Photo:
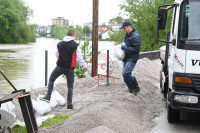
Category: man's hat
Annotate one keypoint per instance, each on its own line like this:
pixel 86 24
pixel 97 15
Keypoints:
pixel 126 23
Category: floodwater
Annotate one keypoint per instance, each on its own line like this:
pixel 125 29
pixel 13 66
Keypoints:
pixel 24 65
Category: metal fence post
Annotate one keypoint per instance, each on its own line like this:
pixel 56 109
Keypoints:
pixel 46 66
pixel 0 89
pixel 107 67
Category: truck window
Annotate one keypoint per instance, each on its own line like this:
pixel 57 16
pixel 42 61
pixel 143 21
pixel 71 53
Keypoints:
pixel 190 22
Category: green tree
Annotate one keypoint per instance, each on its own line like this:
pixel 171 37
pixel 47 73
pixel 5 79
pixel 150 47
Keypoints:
pixel 13 22
pixel 117 37
pixel 60 31
pixel 118 20
pixel 79 31
pixel 52 29
pixel 43 33
pixel 143 16
pixel 86 30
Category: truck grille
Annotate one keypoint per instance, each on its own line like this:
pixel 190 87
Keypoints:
pixel 196 81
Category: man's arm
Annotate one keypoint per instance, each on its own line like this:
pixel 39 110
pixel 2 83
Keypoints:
pixel 80 58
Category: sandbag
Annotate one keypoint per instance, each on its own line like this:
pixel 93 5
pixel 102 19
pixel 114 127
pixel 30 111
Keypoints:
pixel 9 107
pixel 119 53
pixel 41 107
pixel 53 102
pixel 60 100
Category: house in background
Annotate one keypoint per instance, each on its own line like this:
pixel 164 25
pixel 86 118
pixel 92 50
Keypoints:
pixel 49 31
pixel 104 27
pixel 106 35
pixel 43 31
pixel 105 31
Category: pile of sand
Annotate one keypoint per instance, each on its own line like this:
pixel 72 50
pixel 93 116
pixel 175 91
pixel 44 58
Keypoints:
pixel 112 108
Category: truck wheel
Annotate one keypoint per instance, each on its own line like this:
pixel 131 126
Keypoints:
pixel 173 115
pixel 161 89
pixel 165 89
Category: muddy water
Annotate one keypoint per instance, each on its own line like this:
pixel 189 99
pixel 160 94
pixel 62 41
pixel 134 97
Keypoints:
pixel 24 65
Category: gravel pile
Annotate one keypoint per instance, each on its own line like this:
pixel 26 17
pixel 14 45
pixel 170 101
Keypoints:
pixel 111 109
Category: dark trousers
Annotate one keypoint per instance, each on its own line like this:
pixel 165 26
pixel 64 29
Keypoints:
pixel 69 73
pixel 127 72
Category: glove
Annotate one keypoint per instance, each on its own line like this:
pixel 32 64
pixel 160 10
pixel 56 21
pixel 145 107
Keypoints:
pixel 123 47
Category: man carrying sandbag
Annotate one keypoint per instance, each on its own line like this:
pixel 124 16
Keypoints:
pixel 132 45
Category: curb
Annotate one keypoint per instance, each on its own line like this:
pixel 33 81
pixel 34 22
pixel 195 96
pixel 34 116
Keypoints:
pixel 150 55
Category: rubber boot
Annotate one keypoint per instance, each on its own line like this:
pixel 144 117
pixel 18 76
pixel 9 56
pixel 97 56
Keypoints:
pixel 130 89
pixel 135 86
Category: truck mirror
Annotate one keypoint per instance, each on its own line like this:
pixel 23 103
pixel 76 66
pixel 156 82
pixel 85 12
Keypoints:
pixel 162 18
pixel 174 42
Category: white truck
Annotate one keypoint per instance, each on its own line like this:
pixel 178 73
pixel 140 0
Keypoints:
pixel 180 58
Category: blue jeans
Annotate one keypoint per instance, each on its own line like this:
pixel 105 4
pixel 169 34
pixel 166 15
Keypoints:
pixel 127 72
pixel 69 73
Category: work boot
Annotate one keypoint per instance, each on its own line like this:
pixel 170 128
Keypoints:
pixel 135 86
pixel 70 106
pixel 46 98
pixel 130 89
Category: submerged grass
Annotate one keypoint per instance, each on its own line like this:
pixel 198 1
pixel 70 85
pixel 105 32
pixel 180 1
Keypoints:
pixel 47 123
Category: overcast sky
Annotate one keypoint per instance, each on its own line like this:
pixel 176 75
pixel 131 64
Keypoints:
pixel 76 11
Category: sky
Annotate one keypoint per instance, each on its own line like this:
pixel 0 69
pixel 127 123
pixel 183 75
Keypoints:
pixel 77 12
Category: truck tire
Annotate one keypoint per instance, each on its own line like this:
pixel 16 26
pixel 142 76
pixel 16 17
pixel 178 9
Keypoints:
pixel 173 115
pixel 163 89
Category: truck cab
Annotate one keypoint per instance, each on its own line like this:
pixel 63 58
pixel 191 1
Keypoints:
pixel 180 57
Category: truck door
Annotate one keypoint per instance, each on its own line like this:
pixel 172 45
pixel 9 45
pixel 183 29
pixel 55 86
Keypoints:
pixel 189 35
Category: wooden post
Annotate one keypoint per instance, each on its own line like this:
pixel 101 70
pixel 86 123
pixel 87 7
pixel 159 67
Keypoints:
pixel 95 38
pixel 97 80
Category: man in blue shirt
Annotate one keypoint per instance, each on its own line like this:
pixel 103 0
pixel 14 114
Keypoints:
pixel 132 45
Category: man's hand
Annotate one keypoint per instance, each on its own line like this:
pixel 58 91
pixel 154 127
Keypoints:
pixel 123 47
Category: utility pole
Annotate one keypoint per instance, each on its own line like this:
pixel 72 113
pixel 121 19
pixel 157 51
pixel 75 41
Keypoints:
pixel 95 38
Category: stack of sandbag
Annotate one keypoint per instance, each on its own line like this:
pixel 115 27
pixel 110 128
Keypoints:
pixel 42 107
pixel 9 107
pixel 8 116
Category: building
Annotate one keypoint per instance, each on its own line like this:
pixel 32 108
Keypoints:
pixel 44 31
pixel 48 31
pixel 104 27
pixel 60 21
pixel 106 35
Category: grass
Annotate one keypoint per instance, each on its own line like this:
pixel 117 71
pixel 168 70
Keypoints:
pixel 47 123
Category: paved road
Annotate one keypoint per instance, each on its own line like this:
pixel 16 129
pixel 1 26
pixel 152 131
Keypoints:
pixel 190 121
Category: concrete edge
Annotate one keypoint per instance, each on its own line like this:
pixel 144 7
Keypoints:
pixel 150 55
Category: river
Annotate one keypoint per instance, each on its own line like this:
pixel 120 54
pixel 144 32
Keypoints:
pixel 24 64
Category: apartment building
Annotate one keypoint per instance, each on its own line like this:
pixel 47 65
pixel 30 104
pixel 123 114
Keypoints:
pixel 60 21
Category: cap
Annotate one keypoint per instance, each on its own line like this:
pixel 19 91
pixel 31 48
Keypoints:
pixel 126 23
